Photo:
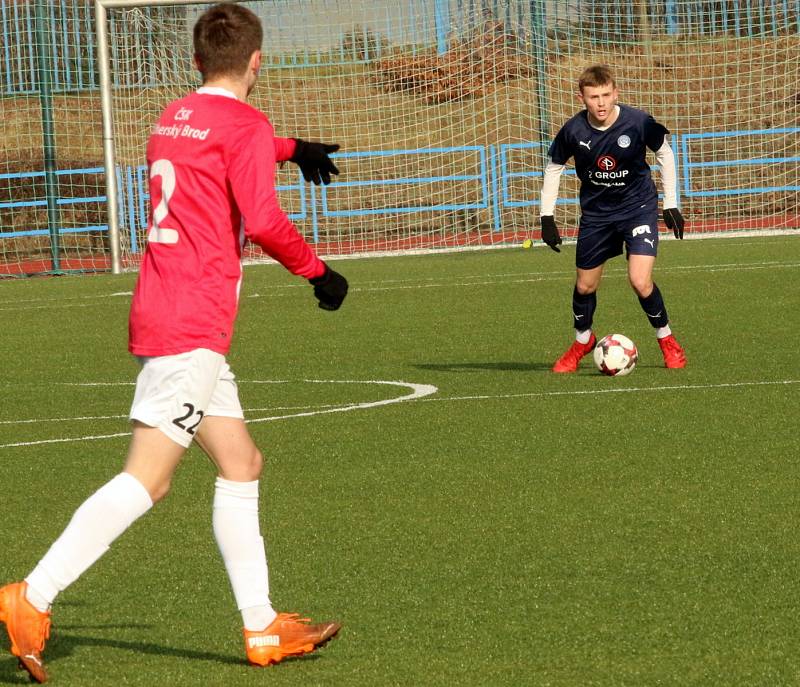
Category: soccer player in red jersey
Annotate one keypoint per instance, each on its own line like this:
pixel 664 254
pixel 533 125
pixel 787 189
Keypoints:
pixel 212 160
pixel 619 205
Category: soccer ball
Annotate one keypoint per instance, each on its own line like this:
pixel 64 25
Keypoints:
pixel 615 355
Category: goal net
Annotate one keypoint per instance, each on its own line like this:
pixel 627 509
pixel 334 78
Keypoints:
pixel 445 110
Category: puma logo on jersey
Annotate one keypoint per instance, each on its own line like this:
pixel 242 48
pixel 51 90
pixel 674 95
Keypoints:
pixel 585 144
pixel 264 640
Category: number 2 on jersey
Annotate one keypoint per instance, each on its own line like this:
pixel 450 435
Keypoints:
pixel 158 234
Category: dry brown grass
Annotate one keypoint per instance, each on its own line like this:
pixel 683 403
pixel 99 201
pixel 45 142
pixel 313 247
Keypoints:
pixel 482 93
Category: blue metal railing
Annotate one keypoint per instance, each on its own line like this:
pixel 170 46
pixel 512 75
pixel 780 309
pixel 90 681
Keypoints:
pixel 688 165
pixel 492 184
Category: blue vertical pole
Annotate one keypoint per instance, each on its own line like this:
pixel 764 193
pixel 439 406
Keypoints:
pixel 44 63
pixel 539 34
pixel 441 12
pixel 749 19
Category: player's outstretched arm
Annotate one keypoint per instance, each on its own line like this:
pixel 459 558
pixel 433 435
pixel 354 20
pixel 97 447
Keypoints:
pixel 330 288
pixel 251 174
pixel 313 159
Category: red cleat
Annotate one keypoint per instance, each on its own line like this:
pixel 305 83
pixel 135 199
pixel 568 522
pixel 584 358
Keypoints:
pixel 569 361
pixel 674 356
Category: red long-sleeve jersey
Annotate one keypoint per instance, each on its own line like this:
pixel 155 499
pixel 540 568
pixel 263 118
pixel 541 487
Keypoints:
pixel 212 161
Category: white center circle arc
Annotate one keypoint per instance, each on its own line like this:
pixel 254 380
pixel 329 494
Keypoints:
pixel 415 391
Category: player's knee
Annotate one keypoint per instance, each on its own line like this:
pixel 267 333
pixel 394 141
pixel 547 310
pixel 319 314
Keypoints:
pixel 256 463
pixel 250 465
pixel 642 285
pixel 585 288
pixel 158 491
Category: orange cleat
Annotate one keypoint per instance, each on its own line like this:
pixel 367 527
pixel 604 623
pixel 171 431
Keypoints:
pixel 569 361
pixel 28 628
pixel 288 635
pixel 674 356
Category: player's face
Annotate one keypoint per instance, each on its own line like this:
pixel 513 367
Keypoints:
pixel 599 102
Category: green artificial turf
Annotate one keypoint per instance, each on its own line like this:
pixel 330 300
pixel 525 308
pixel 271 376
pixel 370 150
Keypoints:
pixel 515 527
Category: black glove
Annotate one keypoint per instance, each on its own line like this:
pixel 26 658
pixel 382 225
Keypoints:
pixel 550 233
pixel 674 220
pixel 330 288
pixel 313 160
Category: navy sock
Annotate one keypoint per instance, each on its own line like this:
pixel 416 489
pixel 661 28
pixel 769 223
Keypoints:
pixel 583 306
pixel 654 308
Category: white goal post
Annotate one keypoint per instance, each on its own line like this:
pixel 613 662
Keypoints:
pixel 445 109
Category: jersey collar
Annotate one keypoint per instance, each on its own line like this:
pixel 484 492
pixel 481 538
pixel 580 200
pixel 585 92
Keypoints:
pixel 216 90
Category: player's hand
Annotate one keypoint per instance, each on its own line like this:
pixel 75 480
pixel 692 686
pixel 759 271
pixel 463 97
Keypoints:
pixel 550 233
pixel 330 288
pixel 674 220
pixel 313 160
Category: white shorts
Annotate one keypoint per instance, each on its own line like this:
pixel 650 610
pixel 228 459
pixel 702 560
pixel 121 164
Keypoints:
pixel 175 392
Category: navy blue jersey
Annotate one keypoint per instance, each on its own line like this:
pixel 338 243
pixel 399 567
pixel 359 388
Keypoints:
pixel 611 164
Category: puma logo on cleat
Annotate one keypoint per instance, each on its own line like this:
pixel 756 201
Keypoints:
pixel 33 658
pixel 264 640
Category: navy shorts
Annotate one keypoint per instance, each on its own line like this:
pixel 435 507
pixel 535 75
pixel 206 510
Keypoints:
pixel 601 240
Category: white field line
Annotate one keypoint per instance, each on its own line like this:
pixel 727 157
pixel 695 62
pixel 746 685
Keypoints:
pixel 420 392
pixel 625 390
pixel 417 391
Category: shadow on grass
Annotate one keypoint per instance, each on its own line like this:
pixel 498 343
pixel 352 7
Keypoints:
pixel 585 369
pixel 62 645
pixel 491 366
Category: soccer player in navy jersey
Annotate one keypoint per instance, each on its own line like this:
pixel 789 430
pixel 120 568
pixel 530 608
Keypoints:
pixel 619 206
pixel 212 160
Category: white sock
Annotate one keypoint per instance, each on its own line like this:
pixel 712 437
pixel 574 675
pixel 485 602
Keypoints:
pixel 663 332
pixel 238 534
pixel 104 516
pixel 583 336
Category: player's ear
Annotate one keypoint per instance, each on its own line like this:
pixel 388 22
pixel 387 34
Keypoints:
pixel 255 62
pixel 579 95
pixel 197 64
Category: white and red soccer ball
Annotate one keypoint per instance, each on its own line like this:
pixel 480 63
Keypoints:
pixel 615 355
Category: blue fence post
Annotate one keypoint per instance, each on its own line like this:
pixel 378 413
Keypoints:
pixel 441 12
pixel 44 61
pixel 494 195
pixel 314 220
pixel 539 36
pixel 670 18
